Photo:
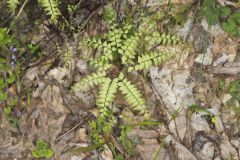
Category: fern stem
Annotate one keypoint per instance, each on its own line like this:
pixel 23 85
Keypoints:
pixel 131 93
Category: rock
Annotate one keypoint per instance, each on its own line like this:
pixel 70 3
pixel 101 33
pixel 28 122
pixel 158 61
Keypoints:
pixel 38 91
pixel 178 127
pixel 198 123
pixel 31 73
pixel 59 74
pixel 226 97
pixel 186 27
pixel 220 60
pixel 182 152
pixel 175 88
pixel 147 149
pixel 199 39
pixel 107 153
pixel 81 135
pixel 82 66
pixel 147 134
pixel 218 158
pixel 207 152
pixel 74 157
pixel 215 110
pixel 227 150
pixel 205 59
pixel 218 124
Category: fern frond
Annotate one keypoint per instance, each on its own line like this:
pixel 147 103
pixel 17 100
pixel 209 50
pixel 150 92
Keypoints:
pixel 114 36
pixel 51 8
pixel 108 51
pixel 89 81
pixel 132 95
pixel 128 49
pixel 100 64
pixel 95 42
pixel 164 39
pixel 106 95
pixel 12 5
pixel 145 61
pixel 127 28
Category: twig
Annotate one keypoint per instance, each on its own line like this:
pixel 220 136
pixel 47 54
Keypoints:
pixel 69 131
pixel 21 9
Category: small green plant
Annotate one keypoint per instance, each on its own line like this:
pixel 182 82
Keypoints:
pixel 123 49
pixel 229 20
pixel 210 11
pixel 42 150
pixel 221 85
pixel 232 23
pixel 209 115
pixel 8 70
pixel 109 14
pixel 51 8
pixel 119 47
pixel 12 5
pixel 235 89
pixel 125 141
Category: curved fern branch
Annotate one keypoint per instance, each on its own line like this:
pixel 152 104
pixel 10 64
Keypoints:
pixel 12 4
pixel 89 81
pixel 51 8
pixel 100 64
pixel 106 95
pixel 132 95
pixel 128 49
pixel 114 36
pixel 108 51
pixel 164 39
pixel 145 61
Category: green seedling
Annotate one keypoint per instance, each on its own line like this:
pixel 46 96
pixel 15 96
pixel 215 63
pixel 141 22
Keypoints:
pixel 42 150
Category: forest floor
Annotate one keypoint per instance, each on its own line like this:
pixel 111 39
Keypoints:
pixel 194 101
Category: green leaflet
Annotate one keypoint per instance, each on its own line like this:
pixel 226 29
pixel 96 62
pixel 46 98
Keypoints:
pixel 132 95
pixel 114 36
pixel 164 39
pixel 128 49
pixel 42 150
pixel 108 50
pixel 100 64
pixel 145 61
pixel 90 80
pixel 94 42
pixel 106 95
pixel 12 5
pixel 199 109
pixel 51 8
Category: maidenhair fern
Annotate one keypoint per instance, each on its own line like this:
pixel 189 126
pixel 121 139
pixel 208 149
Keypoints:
pixel 128 49
pixel 107 94
pixel 120 51
pixel 165 39
pixel 90 81
pixel 132 94
pixel 123 48
pixel 145 61
pixel 51 8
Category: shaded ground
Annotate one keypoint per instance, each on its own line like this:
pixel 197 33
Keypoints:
pixel 207 77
